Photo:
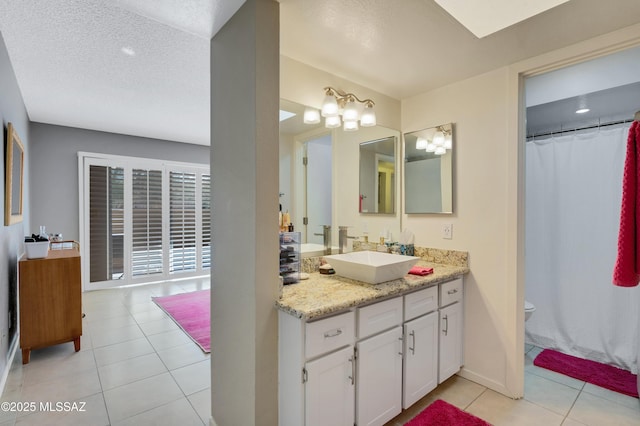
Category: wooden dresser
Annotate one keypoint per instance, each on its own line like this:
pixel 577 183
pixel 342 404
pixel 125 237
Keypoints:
pixel 50 301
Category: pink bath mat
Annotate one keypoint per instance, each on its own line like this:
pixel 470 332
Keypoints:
pixel 603 375
pixel 192 312
pixel 441 413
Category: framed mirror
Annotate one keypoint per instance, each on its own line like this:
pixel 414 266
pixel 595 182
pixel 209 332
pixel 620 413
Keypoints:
pixel 378 176
pixel 14 168
pixel 428 170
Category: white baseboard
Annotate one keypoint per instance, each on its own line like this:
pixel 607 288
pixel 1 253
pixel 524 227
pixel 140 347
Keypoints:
pixel 486 382
pixel 10 358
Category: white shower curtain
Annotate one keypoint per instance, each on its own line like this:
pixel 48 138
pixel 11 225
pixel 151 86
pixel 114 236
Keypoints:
pixel 573 192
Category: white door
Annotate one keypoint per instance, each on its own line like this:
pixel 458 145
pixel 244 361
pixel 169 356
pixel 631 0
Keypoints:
pixel 421 358
pixel 379 378
pixel 318 188
pixel 329 390
pixel 450 341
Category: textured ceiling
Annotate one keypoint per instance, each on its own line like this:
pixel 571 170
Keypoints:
pixel 68 58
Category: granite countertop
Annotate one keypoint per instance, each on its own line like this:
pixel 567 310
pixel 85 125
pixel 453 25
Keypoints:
pixel 322 295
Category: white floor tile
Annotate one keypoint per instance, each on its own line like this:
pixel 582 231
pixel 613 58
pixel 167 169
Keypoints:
pixel 193 378
pixel 130 370
pixel 595 411
pixel 179 356
pixel 502 411
pixel 71 387
pixel 169 339
pixel 121 351
pixel 616 397
pixel 158 326
pixel 93 413
pixel 179 412
pixel 201 402
pixel 117 335
pixel 551 395
pixel 137 397
pixel 41 370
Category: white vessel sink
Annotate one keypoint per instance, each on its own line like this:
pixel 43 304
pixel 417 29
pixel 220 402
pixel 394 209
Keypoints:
pixel 371 266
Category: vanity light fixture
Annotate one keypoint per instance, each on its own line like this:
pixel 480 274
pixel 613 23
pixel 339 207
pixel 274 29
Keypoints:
pixel 440 144
pixel 354 111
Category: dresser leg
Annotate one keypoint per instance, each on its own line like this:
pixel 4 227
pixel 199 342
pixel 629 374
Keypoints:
pixel 76 343
pixel 26 354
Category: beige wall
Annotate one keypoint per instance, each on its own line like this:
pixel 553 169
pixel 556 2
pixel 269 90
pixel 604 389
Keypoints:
pixel 488 219
pixel 478 107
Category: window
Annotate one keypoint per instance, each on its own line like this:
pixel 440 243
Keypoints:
pixel 144 220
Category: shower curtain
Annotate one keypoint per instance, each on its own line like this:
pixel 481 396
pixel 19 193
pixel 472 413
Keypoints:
pixel 573 194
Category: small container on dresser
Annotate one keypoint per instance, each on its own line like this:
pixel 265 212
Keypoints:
pixel 290 257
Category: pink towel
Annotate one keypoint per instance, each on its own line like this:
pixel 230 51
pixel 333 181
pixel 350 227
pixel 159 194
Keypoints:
pixel 418 270
pixel 626 272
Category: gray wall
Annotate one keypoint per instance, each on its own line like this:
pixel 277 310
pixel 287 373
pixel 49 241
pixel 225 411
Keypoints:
pixel 11 237
pixel 54 168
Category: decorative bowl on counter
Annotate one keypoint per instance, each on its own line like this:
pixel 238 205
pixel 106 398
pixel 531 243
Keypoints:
pixel 371 266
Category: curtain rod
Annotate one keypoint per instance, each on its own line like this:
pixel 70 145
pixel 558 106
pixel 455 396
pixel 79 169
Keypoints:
pixel 594 126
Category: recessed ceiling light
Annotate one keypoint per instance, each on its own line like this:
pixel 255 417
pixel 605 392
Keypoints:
pixel 582 110
pixel 128 51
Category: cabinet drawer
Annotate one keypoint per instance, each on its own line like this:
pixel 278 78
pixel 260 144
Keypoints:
pixel 450 292
pixel 420 303
pixel 328 334
pixel 378 317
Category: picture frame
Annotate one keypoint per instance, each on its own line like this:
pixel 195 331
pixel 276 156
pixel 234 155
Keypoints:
pixel 14 177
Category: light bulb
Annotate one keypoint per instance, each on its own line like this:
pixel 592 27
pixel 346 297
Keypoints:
pixel 438 138
pixel 430 147
pixel 311 116
pixel 350 111
pixel 350 125
pixel 332 122
pixel 368 118
pixel 329 106
pixel 440 150
pixel 421 143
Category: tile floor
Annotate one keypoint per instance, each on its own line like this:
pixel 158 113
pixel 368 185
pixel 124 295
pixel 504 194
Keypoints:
pixel 550 399
pixel 136 367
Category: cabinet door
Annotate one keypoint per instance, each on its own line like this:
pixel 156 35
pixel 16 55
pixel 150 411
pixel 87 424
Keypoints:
pixel 421 358
pixel 379 378
pixel 450 341
pixel 330 390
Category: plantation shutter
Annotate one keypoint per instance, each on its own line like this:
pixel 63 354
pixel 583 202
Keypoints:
pixel 146 256
pixel 206 221
pixel 182 221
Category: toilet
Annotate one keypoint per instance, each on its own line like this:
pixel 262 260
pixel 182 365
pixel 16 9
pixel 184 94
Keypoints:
pixel 529 309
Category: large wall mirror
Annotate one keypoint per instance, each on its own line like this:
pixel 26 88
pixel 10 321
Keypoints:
pixel 378 176
pixel 428 170
pixel 14 167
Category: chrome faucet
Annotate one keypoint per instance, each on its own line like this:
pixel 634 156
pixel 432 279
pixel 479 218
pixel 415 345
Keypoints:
pixel 342 239
pixel 326 238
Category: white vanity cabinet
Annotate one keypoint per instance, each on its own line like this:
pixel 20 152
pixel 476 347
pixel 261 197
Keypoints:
pixel 316 370
pixel 362 367
pixel 379 354
pixel 421 345
pixel 451 322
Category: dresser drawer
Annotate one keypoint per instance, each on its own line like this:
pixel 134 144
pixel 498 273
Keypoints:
pixel 328 334
pixel 450 292
pixel 420 302
pixel 378 317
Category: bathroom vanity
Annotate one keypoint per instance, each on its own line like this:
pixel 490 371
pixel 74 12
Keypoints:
pixel 356 353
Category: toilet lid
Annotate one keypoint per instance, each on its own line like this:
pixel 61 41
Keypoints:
pixel 528 306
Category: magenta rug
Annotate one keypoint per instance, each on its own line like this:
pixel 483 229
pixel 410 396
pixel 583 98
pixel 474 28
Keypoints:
pixel 603 375
pixel 441 413
pixel 191 311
